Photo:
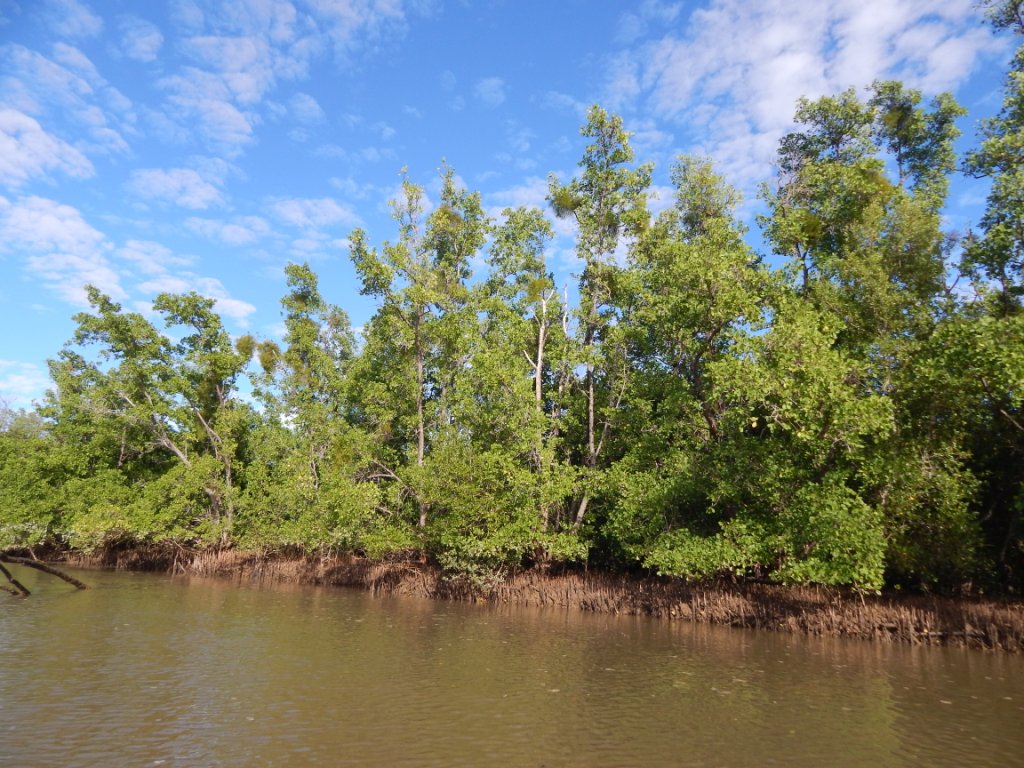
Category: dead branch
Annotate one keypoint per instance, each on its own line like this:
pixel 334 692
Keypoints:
pixel 40 567
pixel 14 581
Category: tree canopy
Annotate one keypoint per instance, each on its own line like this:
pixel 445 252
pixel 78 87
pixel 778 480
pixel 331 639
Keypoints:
pixel 847 416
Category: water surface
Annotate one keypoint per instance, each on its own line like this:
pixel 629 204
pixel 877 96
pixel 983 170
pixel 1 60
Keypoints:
pixel 147 670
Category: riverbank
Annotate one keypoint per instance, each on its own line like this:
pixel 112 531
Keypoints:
pixel 910 619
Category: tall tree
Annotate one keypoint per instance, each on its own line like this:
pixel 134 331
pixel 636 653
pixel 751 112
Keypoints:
pixel 698 291
pixel 608 203
pixel 416 341
pixel 857 211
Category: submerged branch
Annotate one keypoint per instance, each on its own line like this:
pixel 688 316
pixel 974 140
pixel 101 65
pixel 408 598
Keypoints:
pixel 39 567
pixel 14 581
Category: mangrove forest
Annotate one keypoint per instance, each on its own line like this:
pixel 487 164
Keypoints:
pixel 834 398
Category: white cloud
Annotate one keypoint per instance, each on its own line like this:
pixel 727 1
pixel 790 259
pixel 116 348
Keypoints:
pixel 647 138
pixel 182 186
pixel 236 309
pixel 314 214
pixel 75 60
pixel 157 262
pixel 332 152
pixel 739 98
pixel 188 14
pixel 59 246
pixel 244 230
pixel 660 198
pixel 210 287
pixel 244 66
pixel 305 108
pixel 150 258
pixel 307 247
pixel 65 252
pixel 140 40
pixel 29 152
pixel 205 101
pixel 635 24
pixel 21 383
pixel 490 91
pixel 383 130
pixel 241 49
pixel 70 18
pixel 519 136
pixel 532 192
pixel 66 90
pixel 364 23
pixel 624 79
pixel 376 154
pixel 565 102
pixel 353 188
pixel 166 283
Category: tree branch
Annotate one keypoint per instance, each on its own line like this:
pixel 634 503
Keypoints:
pixel 42 567
pixel 14 581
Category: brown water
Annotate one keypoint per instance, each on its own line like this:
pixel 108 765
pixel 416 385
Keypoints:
pixel 146 670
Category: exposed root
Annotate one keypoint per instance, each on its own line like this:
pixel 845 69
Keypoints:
pixel 918 620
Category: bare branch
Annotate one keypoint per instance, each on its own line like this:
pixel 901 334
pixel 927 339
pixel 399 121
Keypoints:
pixel 44 568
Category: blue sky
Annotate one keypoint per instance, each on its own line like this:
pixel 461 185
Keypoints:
pixel 151 146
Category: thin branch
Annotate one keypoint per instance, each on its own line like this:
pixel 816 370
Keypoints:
pixel 1012 420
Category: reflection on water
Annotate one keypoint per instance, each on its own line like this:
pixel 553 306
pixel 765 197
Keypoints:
pixel 149 670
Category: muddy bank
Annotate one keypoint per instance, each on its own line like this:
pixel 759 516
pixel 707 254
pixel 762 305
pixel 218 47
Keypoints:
pixel 912 619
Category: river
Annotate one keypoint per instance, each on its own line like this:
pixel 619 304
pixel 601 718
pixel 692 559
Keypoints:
pixel 149 670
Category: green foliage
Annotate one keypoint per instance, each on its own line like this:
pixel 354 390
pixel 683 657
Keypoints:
pixel 608 201
pixel 846 419
pixel 29 481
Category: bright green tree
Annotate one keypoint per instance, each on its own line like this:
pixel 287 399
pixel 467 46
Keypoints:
pixel 607 200
pixel 416 343
pixel 155 423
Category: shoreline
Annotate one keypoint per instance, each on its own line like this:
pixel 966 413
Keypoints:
pixel 909 619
